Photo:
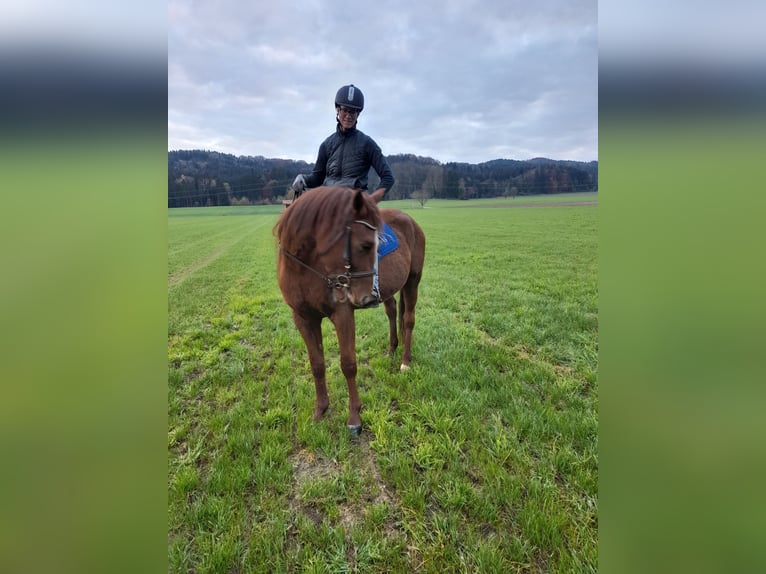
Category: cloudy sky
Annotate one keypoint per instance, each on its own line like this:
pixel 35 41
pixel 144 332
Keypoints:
pixel 455 80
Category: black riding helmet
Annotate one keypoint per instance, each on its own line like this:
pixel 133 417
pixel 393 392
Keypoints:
pixel 351 97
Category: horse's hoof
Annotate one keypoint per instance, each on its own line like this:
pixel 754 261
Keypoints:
pixel 404 368
pixel 354 430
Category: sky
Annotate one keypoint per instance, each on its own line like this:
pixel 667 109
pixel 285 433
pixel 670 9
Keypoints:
pixel 454 80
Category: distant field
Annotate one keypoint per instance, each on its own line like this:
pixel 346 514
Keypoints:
pixel 481 458
pixel 520 201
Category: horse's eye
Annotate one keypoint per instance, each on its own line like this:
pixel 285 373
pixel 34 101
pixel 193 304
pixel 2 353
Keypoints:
pixel 367 246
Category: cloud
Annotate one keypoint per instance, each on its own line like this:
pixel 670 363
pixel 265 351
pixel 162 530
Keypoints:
pixel 457 81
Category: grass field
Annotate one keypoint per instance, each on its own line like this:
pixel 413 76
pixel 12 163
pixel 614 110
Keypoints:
pixel 481 458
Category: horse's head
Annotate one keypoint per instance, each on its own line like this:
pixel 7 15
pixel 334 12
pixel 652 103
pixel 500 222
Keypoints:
pixel 350 253
pixel 332 232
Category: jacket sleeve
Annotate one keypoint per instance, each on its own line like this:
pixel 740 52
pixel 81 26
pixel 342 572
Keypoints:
pixel 317 176
pixel 381 167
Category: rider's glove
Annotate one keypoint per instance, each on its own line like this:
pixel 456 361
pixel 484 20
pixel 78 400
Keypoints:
pixel 299 184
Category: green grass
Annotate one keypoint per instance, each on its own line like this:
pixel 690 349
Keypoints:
pixel 481 458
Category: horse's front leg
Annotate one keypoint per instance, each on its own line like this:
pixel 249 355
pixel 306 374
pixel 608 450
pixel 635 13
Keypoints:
pixel 310 328
pixel 343 319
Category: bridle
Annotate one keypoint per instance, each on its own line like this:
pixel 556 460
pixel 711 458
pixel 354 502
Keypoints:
pixel 338 280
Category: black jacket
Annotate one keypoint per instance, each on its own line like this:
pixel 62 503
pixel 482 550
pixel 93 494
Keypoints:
pixel 345 158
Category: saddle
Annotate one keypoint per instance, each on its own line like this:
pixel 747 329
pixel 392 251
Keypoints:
pixel 387 241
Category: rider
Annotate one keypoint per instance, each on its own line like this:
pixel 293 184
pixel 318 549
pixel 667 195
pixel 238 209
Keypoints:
pixel 345 158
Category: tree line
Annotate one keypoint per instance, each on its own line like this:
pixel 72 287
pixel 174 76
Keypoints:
pixel 198 178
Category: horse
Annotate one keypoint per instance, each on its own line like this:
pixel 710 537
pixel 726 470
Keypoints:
pixel 327 242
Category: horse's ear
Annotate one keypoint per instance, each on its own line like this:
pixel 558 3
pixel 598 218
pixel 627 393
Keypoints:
pixel 377 195
pixel 358 200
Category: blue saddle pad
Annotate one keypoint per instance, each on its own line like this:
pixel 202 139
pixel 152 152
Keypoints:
pixel 387 241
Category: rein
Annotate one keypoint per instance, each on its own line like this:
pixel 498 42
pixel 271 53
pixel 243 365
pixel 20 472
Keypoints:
pixel 337 280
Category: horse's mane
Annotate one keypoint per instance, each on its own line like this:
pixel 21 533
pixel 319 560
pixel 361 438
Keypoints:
pixel 315 219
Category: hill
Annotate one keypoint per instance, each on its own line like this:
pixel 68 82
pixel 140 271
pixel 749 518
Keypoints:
pixel 200 178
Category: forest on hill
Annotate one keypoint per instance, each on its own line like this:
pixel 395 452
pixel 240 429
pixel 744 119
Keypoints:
pixel 199 178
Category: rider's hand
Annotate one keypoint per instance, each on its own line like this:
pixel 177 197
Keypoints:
pixel 299 184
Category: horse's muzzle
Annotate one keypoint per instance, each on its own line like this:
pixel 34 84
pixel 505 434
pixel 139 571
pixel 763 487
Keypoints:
pixel 369 301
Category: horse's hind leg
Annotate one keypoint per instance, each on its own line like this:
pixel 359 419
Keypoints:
pixel 310 329
pixel 393 340
pixel 409 298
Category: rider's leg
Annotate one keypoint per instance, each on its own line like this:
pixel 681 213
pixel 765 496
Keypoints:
pixel 375 284
pixel 374 299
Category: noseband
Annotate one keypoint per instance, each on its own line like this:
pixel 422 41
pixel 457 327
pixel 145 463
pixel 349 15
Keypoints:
pixel 338 280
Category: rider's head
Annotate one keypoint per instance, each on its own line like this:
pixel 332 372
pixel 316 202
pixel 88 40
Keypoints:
pixel 349 103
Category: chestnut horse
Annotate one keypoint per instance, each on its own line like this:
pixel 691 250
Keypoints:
pixel 327 243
